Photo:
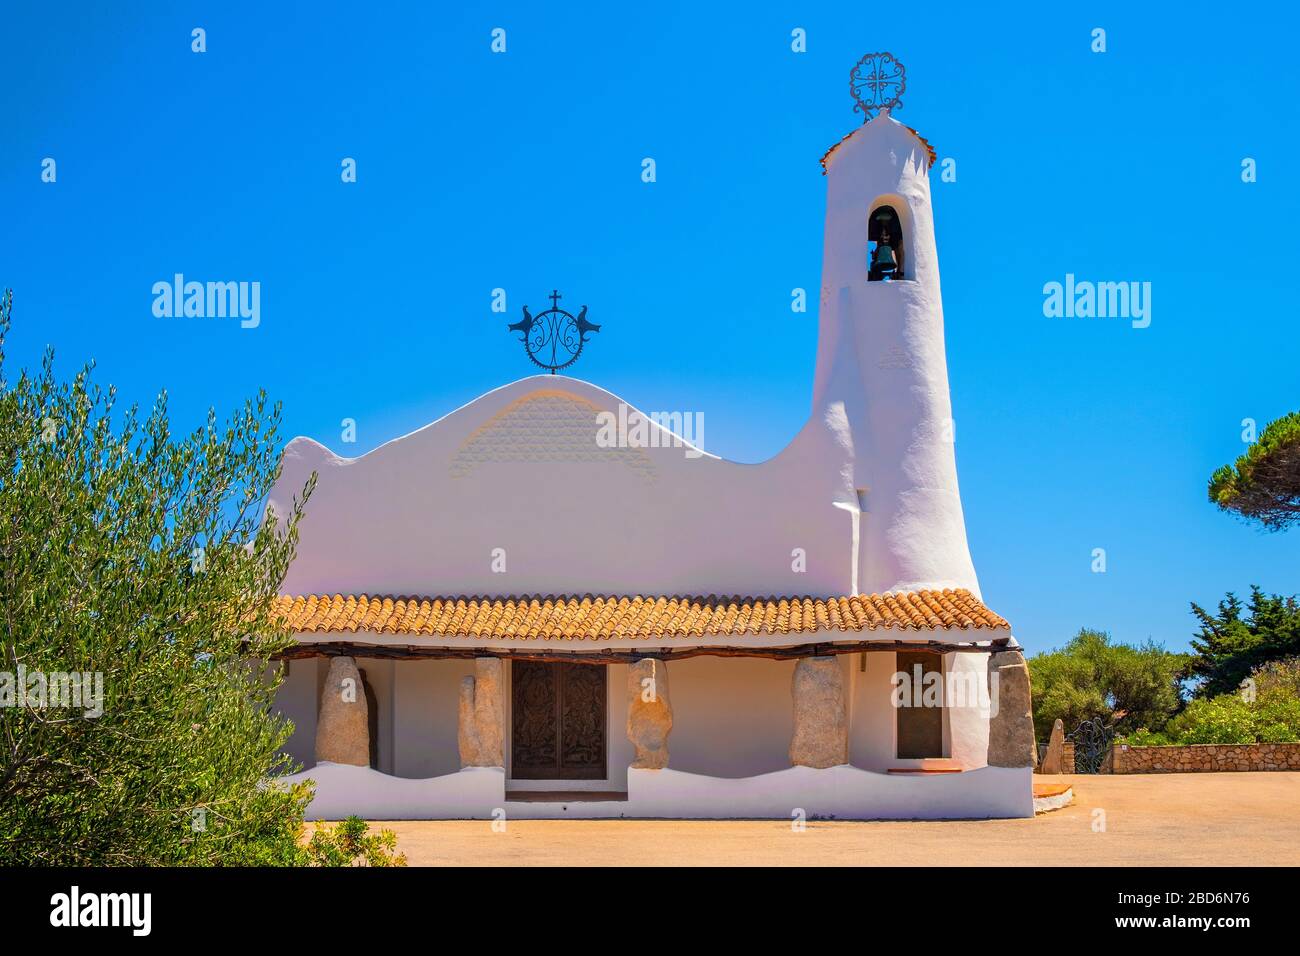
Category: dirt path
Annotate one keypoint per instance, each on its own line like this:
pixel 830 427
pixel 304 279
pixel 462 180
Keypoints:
pixel 1159 819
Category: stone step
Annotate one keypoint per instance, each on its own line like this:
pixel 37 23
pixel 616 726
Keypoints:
pixel 565 796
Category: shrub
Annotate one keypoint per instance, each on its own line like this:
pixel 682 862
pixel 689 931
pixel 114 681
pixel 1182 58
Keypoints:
pixel 1131 686
pixel 1273 717
pixel 350 844
pixel 1282 676
pixel 1142 737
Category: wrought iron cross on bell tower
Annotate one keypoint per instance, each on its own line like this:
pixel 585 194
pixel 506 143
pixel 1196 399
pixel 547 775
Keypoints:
pixel 877 84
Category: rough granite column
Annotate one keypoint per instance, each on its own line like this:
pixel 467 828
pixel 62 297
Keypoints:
pixel 343 728
pixel 482 715
pixel 821 727
pixel 649 713
pixel 1054 759
pixel 1011 728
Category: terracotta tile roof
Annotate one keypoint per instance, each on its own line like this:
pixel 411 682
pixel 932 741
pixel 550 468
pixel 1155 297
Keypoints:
pixel 603 618
pixel 924 142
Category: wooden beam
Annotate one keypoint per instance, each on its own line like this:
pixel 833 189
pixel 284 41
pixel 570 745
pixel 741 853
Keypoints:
pixel 412 652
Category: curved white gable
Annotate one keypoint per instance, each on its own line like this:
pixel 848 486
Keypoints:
pixel 520 469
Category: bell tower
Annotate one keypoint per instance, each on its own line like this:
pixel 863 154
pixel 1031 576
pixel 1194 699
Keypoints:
pixel 881 384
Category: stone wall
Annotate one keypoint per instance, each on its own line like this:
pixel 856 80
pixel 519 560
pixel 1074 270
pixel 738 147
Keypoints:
pixel 1204 758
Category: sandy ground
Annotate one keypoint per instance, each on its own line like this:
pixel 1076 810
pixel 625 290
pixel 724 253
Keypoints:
pixel 1158 819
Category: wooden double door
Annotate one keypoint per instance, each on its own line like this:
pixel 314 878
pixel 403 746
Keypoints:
pixel 557 721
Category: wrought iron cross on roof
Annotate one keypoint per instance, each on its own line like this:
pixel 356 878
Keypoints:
pixel 554 339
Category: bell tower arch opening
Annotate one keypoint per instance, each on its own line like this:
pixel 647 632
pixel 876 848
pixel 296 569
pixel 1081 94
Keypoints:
pixel 886 244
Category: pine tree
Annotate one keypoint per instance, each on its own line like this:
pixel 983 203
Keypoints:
pixel 1240 638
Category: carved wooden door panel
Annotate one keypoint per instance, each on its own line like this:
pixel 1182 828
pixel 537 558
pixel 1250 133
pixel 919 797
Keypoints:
pixel 557 721
pixel 534 752
pixel 582 721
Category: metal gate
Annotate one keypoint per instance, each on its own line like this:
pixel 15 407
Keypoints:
pixel 1092 740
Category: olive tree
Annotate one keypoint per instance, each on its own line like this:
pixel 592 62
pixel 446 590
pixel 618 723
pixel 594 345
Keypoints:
pixel 137 634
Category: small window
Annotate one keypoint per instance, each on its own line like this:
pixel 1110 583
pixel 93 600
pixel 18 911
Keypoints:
pixel 884 245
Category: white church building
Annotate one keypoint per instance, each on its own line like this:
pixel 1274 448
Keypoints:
pixel 503 614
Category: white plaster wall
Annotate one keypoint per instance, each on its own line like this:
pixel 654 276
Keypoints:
pixel 519 469
pixel 621 750
pixel 968 723
pixel 836 792
pixel 871 720
pixel 845 793
pixel 425 713
pixel 342 790
pixel 379 678
pixel 848 667
pixel 297 698
pixel 732 717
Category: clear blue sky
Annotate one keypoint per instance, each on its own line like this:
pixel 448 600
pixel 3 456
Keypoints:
pixel 522 171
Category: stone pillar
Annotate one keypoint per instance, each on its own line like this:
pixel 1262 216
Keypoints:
pixel 1054 759
pixel 649 713
pixel 343 727
pixel 1011 728
pixel 1114 760
pixel 821 726
pixel 482 715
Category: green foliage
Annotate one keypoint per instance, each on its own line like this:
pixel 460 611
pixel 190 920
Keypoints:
pixel 1091 677
pixel 1145 738
pixel 1241 638
pixel 1282 676
pixel 1265 710
pixel 138 555
pixel 350 844
pixel 1264 484
pixel 1232 719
